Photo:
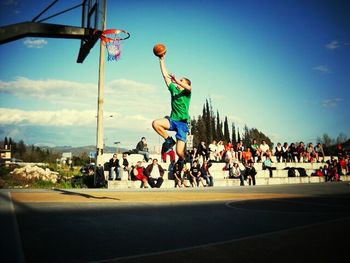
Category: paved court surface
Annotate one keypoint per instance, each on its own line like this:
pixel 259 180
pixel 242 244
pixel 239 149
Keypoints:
pixel 284 223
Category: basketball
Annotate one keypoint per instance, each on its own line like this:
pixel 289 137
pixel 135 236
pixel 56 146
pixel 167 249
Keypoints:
pixel 159 50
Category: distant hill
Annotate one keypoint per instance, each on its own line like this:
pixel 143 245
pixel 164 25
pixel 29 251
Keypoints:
pixel 76 151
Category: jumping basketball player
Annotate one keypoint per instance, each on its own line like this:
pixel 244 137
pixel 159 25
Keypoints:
pixel 180 91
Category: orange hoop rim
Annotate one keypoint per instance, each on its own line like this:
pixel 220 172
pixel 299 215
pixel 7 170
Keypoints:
pixel 116 32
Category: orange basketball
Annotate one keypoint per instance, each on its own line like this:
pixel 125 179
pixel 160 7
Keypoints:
pixel 159 50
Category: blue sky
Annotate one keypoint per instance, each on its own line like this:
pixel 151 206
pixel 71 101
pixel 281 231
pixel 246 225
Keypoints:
pixel 280 66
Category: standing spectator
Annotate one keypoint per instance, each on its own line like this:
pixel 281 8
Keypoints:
pixel 138 172
pixel 220 151
pixel 114 168
pixel 279 152
pixel 178 175
pixel 213 151
pixel 205 173
pixel 250 173
pixel 202 151
pixel 155 174
pixel 142 148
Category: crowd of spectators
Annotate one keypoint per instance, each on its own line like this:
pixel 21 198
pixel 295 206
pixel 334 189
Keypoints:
pixel 199 160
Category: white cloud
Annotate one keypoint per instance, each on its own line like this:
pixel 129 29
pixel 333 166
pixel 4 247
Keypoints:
pixel 331 103
pixel 322 68
pixel 35 43
pixel 333 45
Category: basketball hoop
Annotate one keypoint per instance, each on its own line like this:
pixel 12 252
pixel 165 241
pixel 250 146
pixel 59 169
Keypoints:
pixel 111 40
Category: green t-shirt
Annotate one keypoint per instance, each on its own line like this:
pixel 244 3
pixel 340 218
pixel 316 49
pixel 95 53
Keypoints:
pixel 180 103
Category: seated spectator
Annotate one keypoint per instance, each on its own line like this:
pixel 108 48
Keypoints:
pixel 320 152
pixel 155 174
pixel 220 151
pixel 177 172
pixel 247 156
pixel 240 150
pixel 230 156
pixel 236 173
pixel 138 172
pixel 286 156
pixel 165 152
pixel 125 164
pixel 301 152
pixel 205 173
pixel 311 154
pixel 250 173
pixel 267 164
pixel 264 149
pixel 142 148
pixel 255 150
pixel 187 177
pixel 114 168
pixel 195 172
pixel 293 152
pixel 279 152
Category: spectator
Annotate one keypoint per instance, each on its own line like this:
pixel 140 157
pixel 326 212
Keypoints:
pixel 202 151
pixel 125 165
pixel 247 156
pixel 213 151
pixel 236 173
pixel 240 150
pixel 195 173
pixel 250 173
pixel 205 173
pixel 255 150
pixel 187 177
pixel 279 152
pixel 293 152
pixel 165 151
pixel 155 173
pixel 177 175
pixel 267 164
pixel 114 168
pixel 220 151
pixel 301 152
pixel 339 152
pixel 286 153
pixel 320 152
pixel 138 172
pixel 142 148
pixel 311 154
pixel 264 149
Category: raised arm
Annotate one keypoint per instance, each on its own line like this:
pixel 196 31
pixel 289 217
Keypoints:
pixel 164 71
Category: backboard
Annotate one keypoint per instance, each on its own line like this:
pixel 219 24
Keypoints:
pixel 89 32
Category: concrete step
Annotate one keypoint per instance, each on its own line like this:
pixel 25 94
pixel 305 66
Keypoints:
pixel 220 182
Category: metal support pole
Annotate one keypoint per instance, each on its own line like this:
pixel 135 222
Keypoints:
pixel 100 99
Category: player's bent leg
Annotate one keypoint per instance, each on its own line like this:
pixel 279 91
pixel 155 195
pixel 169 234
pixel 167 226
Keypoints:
pixel 180 149
pixel 161 126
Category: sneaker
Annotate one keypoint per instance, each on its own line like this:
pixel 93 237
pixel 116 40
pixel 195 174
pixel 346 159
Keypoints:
pixel 169 144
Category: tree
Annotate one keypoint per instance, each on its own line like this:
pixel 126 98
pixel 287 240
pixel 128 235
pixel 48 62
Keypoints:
pixel 233 140
pixel 226 131
pixel 6 143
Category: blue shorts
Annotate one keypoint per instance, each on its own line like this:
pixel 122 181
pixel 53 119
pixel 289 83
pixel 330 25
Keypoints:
pixel 181 128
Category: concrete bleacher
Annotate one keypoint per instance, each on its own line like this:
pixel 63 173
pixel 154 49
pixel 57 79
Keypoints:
pixel 280 175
